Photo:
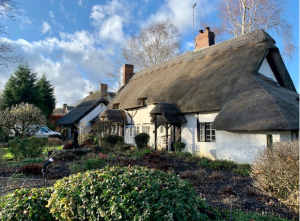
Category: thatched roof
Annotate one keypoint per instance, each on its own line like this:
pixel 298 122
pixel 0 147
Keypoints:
pixel 222 75
pixel 98 95
pixel 80 111
pixel 168 112
pixel 62 111
pixel 114 115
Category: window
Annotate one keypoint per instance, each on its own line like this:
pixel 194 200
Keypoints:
pixel 116 106
pixel 206 133
pixel 43 130
pixel 161 129
pixel 269 140
pixel 146 129
pixel 137 130
pixel 142 101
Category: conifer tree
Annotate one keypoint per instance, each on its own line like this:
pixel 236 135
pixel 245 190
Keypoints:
pixel 46 96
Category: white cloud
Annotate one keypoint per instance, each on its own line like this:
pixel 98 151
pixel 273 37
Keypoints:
pixel 70 16
pixel 73 63
pixel 181 13
pixel 110 20
pixel 51 14
pixel 80 2
pixel 46 28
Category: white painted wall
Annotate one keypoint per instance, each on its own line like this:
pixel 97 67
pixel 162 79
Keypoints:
pixel 237 146
pixel 266 70
pixel 241 147
pixel 189 136
pixel 85 122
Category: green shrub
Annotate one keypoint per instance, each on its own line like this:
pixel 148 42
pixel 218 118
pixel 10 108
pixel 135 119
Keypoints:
pixel 76 168
pixel 135 193
pixel 142 140
pixel 222 164
pixel 204 162
pixel 179 146
pixel 275 171
pixel 30 147
pixel 110 141
pixel 242 169
pixel 93 164
pixel 25 204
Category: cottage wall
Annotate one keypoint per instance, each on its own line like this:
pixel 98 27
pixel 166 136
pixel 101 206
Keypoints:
pixel 241 147
pixel 85 122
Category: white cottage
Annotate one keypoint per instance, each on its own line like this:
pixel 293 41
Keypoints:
pixel 85 114
pixel 224 101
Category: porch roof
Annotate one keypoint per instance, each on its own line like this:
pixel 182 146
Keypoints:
pixel 114 115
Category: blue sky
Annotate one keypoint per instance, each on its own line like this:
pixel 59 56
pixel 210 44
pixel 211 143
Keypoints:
pixel 74 42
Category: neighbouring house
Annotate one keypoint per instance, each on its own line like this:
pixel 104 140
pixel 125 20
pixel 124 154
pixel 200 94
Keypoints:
pixel 57 114
pixel 86 113
pixel 224 101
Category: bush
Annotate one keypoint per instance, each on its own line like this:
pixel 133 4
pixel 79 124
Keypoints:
pixel 179 146
pixel 135 193
pixel 204 162
pixel 25 204
pixel 31 169
pixel 142 140
pixel 30 147
pixel 222 164
pixel 68 146
pixel 110 141
pixel 93 164
pixel 276 172
pixel 54 142
pixel 242 169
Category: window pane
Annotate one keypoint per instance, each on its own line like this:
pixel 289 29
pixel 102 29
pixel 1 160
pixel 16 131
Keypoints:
pixel 202 132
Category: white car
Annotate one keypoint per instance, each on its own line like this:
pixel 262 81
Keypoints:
pixel 46 132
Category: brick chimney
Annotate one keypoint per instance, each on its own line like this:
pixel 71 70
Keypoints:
pixel 127 72
pixel 103 87
pixel 65 107
pixel 204 39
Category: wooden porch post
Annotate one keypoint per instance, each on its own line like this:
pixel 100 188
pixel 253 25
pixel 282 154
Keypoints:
pixel 155 134
pixel 167 136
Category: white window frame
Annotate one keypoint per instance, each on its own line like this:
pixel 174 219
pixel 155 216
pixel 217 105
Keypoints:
pixel 146 128
pixel 206 133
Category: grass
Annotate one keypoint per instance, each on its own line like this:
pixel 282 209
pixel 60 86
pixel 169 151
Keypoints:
pixel 6 154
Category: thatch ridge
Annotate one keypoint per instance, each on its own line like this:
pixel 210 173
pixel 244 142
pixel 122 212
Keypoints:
pixel 219 77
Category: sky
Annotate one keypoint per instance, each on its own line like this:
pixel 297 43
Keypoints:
pixel 74 42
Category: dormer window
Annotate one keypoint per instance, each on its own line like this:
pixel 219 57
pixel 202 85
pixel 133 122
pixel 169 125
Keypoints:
pixel 142 101
pixel 116 106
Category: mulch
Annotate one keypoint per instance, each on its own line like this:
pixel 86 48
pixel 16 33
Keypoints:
pixel 220 189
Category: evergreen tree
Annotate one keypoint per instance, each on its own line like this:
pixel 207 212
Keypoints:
pixel 46 96
pixel 21 87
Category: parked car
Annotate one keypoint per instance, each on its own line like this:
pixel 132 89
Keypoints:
pixel 46 132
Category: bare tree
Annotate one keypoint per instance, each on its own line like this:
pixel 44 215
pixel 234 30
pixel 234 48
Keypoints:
pixel 8 8
pixel 114 75
pixel 153 45
pixel 243 16
pixel 22 120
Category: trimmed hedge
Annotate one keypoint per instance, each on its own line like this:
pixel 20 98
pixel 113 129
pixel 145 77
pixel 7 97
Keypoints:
pixel 142 140
pixel 135 193
pixel 179 146
pixel 26 204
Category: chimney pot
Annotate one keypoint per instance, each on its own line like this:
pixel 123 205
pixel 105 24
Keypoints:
pixel 91 92
pixel 204 39
pixel 103 87
pixel 65 107
pixel 127 72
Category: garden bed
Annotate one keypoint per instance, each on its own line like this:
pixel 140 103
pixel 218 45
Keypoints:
pixel 220 187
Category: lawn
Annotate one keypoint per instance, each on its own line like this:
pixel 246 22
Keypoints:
pixel 5 153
